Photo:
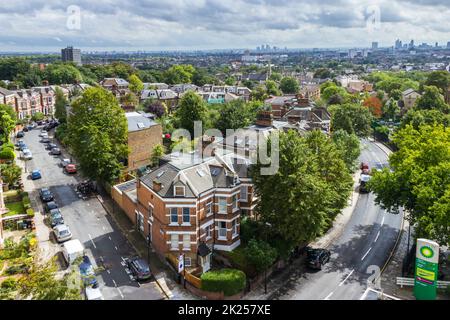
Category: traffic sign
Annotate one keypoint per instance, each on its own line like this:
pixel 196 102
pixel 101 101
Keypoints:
pixel 180 263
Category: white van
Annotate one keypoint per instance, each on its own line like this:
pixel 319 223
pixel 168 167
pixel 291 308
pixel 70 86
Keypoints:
pixel 72 250
pixel 93 294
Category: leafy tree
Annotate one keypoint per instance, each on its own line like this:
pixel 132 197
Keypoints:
pixel 259 93
pixel 60 106
pixel 97 133
pixel 349 147
pixel 312 186
pixel 10 173
pixel 248 83
pixel 418 118
pixel 333 90
pixel 7 153
pixel 129 100
pixel 375 106
pixel 275 76
pixel 201 77
pixel 135 84
pixel 431 99
pixel 62 73
pixel 191 108
pixel 179 74
pixel 156 107
pixel 419 181
pixel 37 116
pixel 8 120
pixel 272 88
pixel 30 79
pixel 439 79
pixel 157 153
pixel 236 114
pixel 230 81
pixel 323 73
pixel 289 85
pixel 10 68
pixel 391 110
pixel 260 254
pixel 396 94
pixel 353 118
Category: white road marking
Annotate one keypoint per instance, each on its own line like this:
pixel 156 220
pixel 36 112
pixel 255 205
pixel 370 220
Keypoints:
pixel 378 234
pixel 115 284
pixel 340 284
pixel 109 238
pixel 138 284
pixel 382 220
pixel 108 271
pixel 115 247
pixel 120 292
pixel 101 258
pixel 92 241
pixel 328 296
pixel 366 254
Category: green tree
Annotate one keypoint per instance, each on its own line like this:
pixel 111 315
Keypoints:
pixel 260 254
pixel 272 88
pixel 348 146
pixel 7 121
pixel 259 93
pixel 191 108
pixel 352 118
pixel 179 74
pixel 230 81
pixel 98 131
pixel 37 116
pixel 331 91
pixel 439 79
pixel 289 85
pixel 60 106
pixel 136 85
pixel 312 186
pixel 10 68
pixel 420 181
pixel 431 99
pixel 236 114
pixel 62 73
pixel 396 94
pixel 10 173
pixel 418 118
pixel 275 76
pixel 157 153
pixel 391 110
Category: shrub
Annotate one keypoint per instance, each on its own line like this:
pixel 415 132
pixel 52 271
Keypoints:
pixel 26 202
pixel 228 281
pixel 7 154
pixel 8 145
pixel 30 212
pixel 9 283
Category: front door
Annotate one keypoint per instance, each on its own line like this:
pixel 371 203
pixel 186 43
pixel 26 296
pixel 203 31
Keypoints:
pixel 206 263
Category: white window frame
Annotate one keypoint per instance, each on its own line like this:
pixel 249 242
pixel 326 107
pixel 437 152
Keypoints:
pixel 188 215
pixel 221 229
pixel 187 262
pixel 209 208
pixel 234 227
pixel 171 210
pixel 219 207
pixel 208 232
pixel 185 239
pixel 175 191
pixel 174 244
pixel 235 202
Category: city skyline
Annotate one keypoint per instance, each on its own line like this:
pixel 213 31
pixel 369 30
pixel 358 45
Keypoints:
pixel 209 24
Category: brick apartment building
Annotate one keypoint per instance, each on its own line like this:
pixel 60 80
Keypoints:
pixel 143 135
pixel 190 205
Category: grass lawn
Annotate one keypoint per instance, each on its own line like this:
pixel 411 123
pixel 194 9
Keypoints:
pixel 14 208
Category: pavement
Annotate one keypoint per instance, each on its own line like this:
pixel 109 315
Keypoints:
pixel 88 221
pixel 361 242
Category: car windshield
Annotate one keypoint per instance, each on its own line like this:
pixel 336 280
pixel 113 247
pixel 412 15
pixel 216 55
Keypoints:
pixel 64 232
pixel 141 265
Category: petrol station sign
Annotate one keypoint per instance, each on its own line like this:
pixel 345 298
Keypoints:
pixel 426 271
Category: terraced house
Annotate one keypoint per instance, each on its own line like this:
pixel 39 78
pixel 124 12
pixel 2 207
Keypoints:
pixel 190 205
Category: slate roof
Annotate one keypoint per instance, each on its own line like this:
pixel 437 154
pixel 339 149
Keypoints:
pixel 5 92
pixel 137 121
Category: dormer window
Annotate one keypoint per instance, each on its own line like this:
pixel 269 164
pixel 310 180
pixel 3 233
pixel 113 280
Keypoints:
pixel 180 191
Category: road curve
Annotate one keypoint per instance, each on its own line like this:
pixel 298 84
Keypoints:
pixel 357 254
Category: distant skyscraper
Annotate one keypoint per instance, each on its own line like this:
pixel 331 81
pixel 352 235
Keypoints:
pixel 70 54
pixel 436 45
pixel 398 44
pixel 448 45
pixel 374 45
pixel 411 44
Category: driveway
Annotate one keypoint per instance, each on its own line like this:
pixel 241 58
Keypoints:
pixel 89 223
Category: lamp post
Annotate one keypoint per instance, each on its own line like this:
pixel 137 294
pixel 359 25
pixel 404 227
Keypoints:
pixel 265 269
pixel 148 248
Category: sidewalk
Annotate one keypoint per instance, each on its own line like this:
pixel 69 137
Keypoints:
pixel 162 272
pixel 277 280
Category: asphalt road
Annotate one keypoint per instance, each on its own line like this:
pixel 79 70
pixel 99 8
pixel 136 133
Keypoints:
pixel 90 223
pixel 359 252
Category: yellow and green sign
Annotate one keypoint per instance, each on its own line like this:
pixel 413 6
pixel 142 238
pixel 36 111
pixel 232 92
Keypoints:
pixel 426 272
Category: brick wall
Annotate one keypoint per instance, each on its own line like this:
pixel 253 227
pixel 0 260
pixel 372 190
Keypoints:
pixel 141 144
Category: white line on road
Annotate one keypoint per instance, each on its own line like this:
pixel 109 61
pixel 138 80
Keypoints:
pixel 115 284
pixel 340 284
pixel 92 241
pixel 115 247
pixel 366 254
pixel 382 220
pixel 120 292
pixel 328 296
pixel 109 238
pixel 378 234
pixel 108 271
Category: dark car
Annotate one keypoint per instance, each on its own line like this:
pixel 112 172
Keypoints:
pixel 20 134
pixel 45 140
pixel 316 258
pixel 55 218
pixel 139 268
pixel 46 195
pixel 55 151
pixel 50 206
pixel 50 146
pixel 25 129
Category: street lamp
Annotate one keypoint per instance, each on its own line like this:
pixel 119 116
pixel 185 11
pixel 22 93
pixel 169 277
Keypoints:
pixel 148 248
pixel 265 269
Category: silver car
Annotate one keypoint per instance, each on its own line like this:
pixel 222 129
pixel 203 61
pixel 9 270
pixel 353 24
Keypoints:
pixel 62 233
pixel 27 155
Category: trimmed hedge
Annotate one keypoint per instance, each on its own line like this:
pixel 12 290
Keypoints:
pixel 228 281
pixel 7 154
pixel 26 202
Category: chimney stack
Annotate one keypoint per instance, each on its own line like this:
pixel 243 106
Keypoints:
pixel 157 185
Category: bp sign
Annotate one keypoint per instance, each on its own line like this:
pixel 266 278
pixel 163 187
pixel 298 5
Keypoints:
pixel 426 271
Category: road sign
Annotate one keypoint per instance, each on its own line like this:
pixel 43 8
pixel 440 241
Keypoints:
pixel 180 263
pixel 426 271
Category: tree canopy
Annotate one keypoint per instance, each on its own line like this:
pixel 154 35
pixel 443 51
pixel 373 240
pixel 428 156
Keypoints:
pixel 289 85
pixel 7 121
pixel 352 118
pixel 191 108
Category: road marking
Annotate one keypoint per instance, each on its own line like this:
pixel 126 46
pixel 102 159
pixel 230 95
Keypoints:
pixel 138 284
pixel 115 247
pixel 340 284
pixel 104 228
pixel 101 258
pixel 109 238
pixel 328 296
pixel 366 254
pixel 382 220
pixel 109 272
pixel 92 241
pixel 115 284
pixel 120 292
pixel 378 234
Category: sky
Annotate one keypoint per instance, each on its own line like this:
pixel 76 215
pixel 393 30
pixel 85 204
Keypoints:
pixel 153 25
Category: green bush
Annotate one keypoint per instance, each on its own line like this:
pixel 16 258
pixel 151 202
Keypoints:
pixel 228 281
pixel 30 212
pixel 9 283
pixel 8 145
pixel 26 202
pixel 7 154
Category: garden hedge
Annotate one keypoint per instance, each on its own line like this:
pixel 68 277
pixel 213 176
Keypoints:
pixel 30 212
pixel 228 281
pixel 7 154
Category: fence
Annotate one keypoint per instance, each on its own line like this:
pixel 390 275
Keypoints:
pixel 409 282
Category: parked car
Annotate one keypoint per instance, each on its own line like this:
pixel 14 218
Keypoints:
pixel 55 151
pixel 71 168
pixel 364 166
pixel 19 143
pixel 46 195
pixel 50 206
pixel 50 146
pixel 23 147
pixel 87 273
pixel 62 233
pixel 27 155
pixel 43 133
pixel 139 268
pixel 316 258
pixel 45 140
pixel 56 219
pixel 65 162
pixel 363 183
pixel 36 174
pixel 20 134
pixel 25 129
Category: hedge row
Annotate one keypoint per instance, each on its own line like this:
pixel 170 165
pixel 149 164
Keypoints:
pixel 228 281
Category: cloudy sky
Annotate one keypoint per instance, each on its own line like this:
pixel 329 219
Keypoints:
pixel 46 25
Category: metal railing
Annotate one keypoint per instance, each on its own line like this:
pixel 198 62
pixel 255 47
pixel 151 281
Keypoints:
pixel 409 282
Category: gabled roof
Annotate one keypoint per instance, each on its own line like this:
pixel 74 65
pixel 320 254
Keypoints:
pixel 137 121
pixel 6 92
pixel 408 92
